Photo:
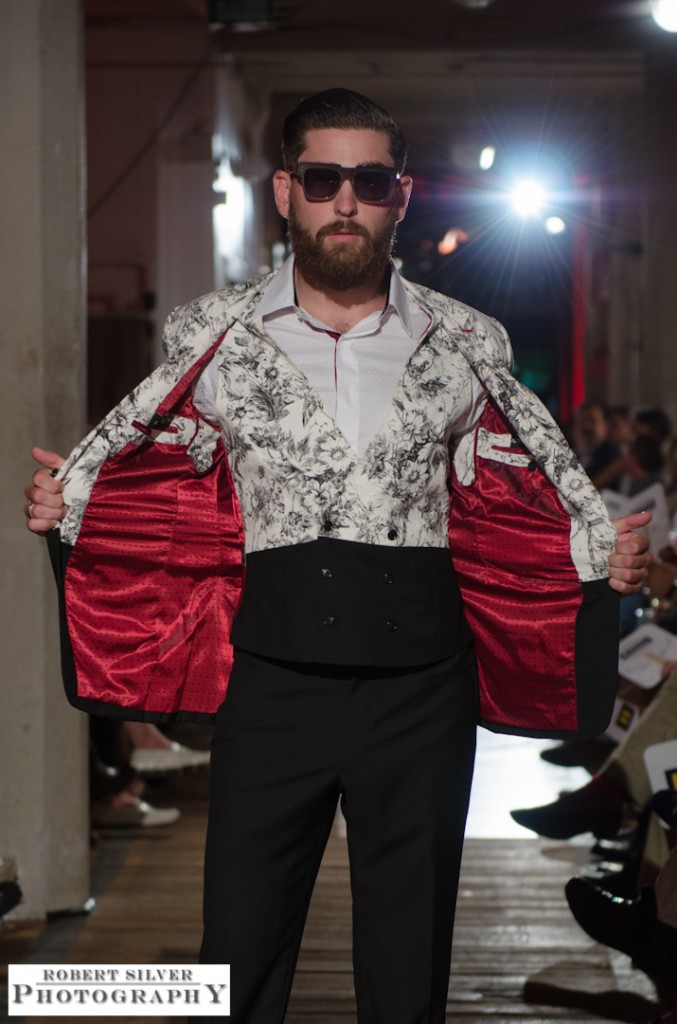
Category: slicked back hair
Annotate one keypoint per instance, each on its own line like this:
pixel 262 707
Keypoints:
pixel 339 108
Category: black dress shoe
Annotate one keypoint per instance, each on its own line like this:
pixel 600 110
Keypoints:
pixel 596 808
pixel 620 879
pixel 590 754
pixel 628 925
pixel 625 845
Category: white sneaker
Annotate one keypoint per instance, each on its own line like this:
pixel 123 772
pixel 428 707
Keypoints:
pixel 138 814
pixel 157 760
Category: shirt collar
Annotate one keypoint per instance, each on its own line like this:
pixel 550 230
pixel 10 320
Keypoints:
pixel 278 296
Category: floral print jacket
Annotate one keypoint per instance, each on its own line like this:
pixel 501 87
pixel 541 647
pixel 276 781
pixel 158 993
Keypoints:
pixel 151 549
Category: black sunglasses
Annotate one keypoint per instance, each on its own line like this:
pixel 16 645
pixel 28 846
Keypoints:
pixel 321 182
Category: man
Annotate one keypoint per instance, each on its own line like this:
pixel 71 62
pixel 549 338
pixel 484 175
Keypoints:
pixel 336 388
pixel 600 457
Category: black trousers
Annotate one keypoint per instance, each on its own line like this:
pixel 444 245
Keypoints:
pixel 397 747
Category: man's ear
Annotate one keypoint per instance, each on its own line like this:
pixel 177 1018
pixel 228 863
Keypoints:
pixel 404 188
pixel 282 183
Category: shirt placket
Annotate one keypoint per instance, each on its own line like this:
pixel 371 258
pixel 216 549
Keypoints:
pixel 347 378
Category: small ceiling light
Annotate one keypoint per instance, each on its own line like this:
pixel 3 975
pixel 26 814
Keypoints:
pixel 487 157
pixel 473 3
pixel 451 241
pixel 664 13
pixel 555 225
pixel 527 197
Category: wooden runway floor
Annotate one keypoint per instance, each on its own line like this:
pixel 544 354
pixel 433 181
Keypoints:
pixel 519 955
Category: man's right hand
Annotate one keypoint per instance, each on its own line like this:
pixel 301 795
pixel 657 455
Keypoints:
pixel 45 505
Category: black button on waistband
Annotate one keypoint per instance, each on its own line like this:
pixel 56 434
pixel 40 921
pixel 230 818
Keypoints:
pixel 392 625
pixel 327 573
pixel 387 577
pixel 392 534
pixel 329 621
pixel 327 526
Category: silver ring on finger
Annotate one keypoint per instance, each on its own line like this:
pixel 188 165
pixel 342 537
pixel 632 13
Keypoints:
pixel 30 509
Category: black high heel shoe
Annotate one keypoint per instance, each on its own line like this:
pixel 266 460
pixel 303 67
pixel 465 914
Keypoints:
pixel 596 807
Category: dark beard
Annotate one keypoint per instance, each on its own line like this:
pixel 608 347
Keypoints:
pixel 343 266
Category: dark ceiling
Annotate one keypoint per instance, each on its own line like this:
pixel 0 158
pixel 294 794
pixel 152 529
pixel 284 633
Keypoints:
pixel 384 25
pixel 574 80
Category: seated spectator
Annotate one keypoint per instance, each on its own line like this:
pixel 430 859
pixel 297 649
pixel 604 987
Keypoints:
pixel 653 423
pixel 619 427
pixel 600 458
pixel 645 927
pixel 621 786
pixel 671 478
pixel 153 753
pixel 662 580
pixel 644 465
pixel 116 789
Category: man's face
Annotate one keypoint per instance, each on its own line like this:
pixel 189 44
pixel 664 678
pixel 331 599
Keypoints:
pixel 591 424
pixel 342 242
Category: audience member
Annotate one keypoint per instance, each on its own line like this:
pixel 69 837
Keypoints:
pixel 644 927
pixel 644 465
pixel 121 754
pixel 671 480
pixel 153 753
pixel 653 423
pixel 621 787
pixel 619 427
pixel 600 457
pixel 116 789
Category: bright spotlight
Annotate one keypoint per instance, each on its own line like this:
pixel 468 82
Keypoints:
pixel 664 13
pixel 555 225
pixel 527 198
pixel 487 157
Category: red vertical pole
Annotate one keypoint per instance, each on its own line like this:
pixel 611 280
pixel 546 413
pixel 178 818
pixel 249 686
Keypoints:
pixel 580 292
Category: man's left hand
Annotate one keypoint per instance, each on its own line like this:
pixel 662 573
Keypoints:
pixel 629 561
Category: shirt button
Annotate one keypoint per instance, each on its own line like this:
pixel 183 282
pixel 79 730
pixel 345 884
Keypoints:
pixel 327 526
pixel 327 573
pixel 329 621
pixel 392 534
pixel 387 578
pixel 392 625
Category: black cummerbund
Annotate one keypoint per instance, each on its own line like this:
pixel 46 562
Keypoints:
pixel 344 603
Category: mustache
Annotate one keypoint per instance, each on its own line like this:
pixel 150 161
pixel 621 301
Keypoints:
pixel 343 225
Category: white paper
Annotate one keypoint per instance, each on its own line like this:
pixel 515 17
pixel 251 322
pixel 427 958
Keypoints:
pixel 653 500
pixel 643 654
pixel 661 766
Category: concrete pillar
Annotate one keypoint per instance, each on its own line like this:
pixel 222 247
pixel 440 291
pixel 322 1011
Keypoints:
pixel 43 749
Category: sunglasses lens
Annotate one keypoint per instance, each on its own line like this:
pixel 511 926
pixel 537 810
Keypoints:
pixel 372 186
pixel 321 182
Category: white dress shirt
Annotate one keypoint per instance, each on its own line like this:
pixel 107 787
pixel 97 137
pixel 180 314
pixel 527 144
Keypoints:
pixel 355 374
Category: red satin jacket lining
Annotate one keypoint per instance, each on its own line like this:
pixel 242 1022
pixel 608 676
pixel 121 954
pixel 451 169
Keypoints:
pixel 531 642
pixel 155 579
